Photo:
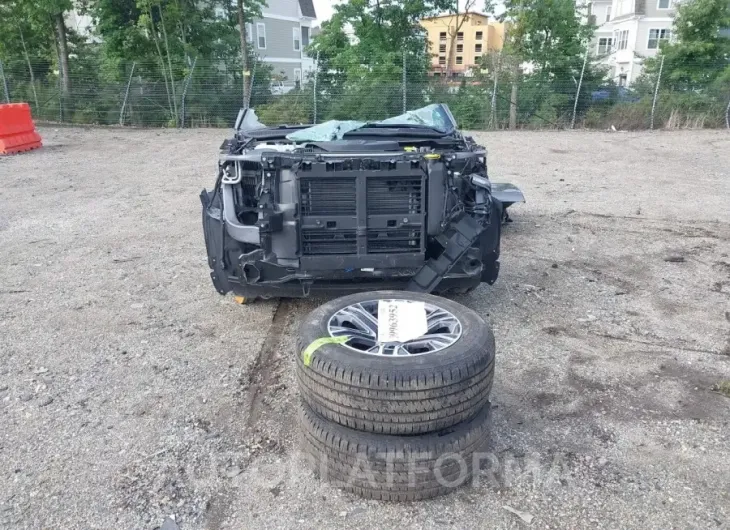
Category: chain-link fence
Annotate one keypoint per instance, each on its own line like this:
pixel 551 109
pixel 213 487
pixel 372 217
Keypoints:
pixel 495 95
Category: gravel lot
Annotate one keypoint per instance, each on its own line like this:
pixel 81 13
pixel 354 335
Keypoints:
pixel 130 391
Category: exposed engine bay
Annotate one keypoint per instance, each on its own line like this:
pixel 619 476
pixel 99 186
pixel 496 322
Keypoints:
pixel 405 203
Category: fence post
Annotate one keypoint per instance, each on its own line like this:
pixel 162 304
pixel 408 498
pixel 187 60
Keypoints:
pixel 404 81
pixel 513 95
pixel 5 83
pixel 727 115
pixel 314 87
pixel 60 101
pixel 126 95
pixel 30 69
pixel 185 93
pixel 493 116
pixel 577 92
pixel 656 92
pixel 35 95
pixel 250 86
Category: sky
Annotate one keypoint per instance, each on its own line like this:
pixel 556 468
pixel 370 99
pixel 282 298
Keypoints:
pixel 325 10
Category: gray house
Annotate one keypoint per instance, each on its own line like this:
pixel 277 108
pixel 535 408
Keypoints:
pixel 280 35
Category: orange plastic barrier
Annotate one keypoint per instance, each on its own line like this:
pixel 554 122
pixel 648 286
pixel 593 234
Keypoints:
pixel 17 132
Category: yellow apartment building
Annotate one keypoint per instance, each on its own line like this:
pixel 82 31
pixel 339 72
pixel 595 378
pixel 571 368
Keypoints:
pixel 476 36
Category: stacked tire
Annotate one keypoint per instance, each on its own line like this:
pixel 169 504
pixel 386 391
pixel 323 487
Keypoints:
pixel 389 422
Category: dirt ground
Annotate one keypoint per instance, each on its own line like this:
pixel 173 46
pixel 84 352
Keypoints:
pixel 130 391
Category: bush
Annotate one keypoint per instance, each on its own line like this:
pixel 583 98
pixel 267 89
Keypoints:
pixel 673 111
pixel 626 115
pixel 294 107
pixel 556 110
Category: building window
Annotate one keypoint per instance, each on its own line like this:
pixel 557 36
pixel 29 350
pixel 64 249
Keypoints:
pixel 305 36
pixel 460 36
pixel 476 60
pixel 442 48
pixel 478 35
pixel 604 45
pixel 622 79
pixel 459 48
pixel 442 35
pixel 442 60
pixel 249 32
pixel 656 36
pixel 459 59
pixel 261 35
pixel 622 39
pixel 478 48
pixel 664 4
pixel 297 37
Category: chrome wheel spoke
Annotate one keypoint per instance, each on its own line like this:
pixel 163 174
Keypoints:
pixel 359 323
pixel 377 349
pixel 367 317
pixel 341 331
pixel 433 342
pixel 357 316
pixel 440 318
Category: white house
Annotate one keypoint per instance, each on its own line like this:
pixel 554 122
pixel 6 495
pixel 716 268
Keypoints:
pixel 628 32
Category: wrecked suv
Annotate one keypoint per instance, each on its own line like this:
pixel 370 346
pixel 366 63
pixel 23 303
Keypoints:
pixel 344 206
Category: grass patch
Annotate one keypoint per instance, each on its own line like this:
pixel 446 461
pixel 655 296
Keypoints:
pixel 723 387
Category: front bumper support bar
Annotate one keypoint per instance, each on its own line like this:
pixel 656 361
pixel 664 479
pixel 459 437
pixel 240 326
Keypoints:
pixel 456 240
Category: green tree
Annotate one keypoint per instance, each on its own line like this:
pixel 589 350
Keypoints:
pixel 359 75
pixel 549 38
pixel 246 11
pixel 36 31
pixel 22 36
pixel 700 55
pixel 41 22
pixel 204 29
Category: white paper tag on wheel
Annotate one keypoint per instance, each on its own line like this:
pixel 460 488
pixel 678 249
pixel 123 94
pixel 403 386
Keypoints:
pixel 401 320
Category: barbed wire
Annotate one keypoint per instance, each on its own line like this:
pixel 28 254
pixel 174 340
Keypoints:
pixel 208 94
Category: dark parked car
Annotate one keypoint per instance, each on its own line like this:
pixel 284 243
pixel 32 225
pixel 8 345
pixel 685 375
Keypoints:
pixel 614 94
pixel 344 206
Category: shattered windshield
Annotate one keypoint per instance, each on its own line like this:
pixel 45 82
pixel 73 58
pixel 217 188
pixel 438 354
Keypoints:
pixel 325 132
pixel 436 117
